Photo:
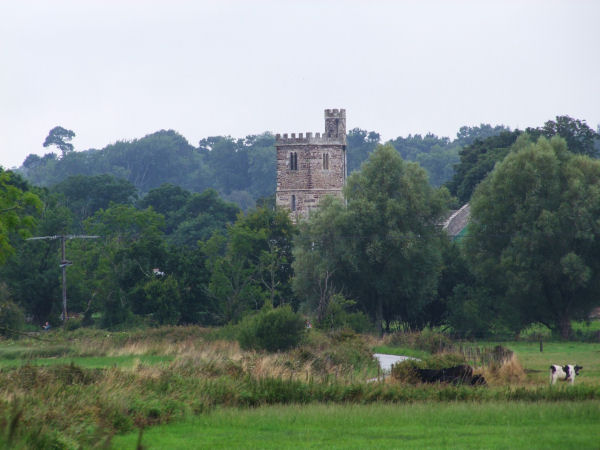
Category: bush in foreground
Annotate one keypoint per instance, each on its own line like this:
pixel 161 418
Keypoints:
pixel 12 319
pixel 272 330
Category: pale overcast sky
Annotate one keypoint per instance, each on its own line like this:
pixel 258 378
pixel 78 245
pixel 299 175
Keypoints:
pixel 118 70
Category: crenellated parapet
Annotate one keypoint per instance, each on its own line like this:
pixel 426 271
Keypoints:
pixel 335 113
pixel 307 139
pixel 335 132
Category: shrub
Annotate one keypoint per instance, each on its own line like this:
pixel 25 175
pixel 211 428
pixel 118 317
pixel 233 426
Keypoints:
pixel 405 370
pixel 588 331
pixel 88 319
pixel 337 316
pixel 73 324
pixel 349 351
pixel 359 322
pixel 12 319
pixel 116 313
pixel 432 341
pixel 163 300
pixel 535 332
pixel 428 340
pixel 272 330
pixel 443 360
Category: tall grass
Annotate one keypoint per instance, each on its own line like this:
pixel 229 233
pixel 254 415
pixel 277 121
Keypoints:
pixel 83 404
pixel 71 406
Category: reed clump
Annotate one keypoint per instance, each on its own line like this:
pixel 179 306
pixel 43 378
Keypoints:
pixel 507 372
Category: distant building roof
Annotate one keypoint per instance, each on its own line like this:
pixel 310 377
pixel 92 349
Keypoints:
pixel 458 220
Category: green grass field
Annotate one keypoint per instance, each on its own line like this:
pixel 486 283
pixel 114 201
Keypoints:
pixel 537 363
pixel 514 425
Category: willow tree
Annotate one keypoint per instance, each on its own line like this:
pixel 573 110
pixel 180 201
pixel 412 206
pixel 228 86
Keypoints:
pixel 320 252
pixel 393 216
pixel 535 233
pixel 18 208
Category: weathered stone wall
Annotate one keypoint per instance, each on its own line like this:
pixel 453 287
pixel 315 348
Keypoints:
pixel 310 173
pixel 309 181
pixel 306 201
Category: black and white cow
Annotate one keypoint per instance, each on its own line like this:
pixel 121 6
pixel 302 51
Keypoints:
pixel 564 373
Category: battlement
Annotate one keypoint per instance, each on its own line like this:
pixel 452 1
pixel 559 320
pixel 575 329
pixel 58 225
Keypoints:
pixel 335 132
pixel 335 113
pixel 307 139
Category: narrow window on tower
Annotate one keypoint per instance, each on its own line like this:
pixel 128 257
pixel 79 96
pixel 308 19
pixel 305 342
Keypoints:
pixel 325 161
pixel 293 161
pixel 293 205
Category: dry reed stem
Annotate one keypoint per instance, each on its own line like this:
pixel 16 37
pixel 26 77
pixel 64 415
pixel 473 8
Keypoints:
pixel 220 355
pixel 509 372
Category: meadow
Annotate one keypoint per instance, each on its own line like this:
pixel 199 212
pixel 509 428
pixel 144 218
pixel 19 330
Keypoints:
pixel 516 425
pixel 94 389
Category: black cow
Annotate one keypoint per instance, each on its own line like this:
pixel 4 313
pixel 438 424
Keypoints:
pixel 478 380
pixel 457 375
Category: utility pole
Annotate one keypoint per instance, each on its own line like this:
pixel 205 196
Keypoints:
pixel 64 263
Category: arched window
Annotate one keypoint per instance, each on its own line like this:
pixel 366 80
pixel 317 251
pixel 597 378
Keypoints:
pixel 293 161
pixel 293 205
pixel 325 161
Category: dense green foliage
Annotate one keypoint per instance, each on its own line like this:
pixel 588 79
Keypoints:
pixel 182 242
pixel 189 217
pixel 18 206
pixel 360 145
pixel 250 266
pixel 84 195
pixel 392 218
pixel 534 235
pixel 382 250
pixel 477 160
pixel 580 138
pixel 241 170
pixel 437 155
pixel 478 157
pixel 272 329
pixel 12 319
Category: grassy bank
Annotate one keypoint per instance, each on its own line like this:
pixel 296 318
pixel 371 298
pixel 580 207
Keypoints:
pixel 67 406
pixel 424 425
pixel 72 389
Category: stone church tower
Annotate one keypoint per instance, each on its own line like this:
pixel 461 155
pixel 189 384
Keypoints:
pixel 310 167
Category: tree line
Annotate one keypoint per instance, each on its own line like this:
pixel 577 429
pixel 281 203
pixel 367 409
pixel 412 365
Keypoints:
pixel 241 170
pixel 170 255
